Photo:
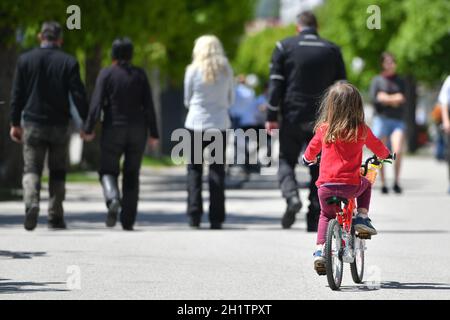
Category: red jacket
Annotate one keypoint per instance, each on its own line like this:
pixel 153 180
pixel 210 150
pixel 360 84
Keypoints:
pixel 341 161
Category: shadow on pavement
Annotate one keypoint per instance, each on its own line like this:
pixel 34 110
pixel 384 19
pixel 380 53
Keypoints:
pixel 229 197
pixel 146 219
pixel 415 231
pixel 21 255
pixel 9 287
pixel 415 286
pixel 397 285
pixel 358 288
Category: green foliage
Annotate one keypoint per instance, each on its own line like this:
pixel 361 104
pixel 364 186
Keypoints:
pixel 344 22
pixel 163 31
pixel 422 44
pixel 255 51
pixel 77 177
pixel 416 31
pixel 161 162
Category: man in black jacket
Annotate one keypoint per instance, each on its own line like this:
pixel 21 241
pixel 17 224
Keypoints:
pixel 40 112
pixel 302 68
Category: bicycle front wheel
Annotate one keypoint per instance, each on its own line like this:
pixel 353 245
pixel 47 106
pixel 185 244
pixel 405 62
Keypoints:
pixel 333 255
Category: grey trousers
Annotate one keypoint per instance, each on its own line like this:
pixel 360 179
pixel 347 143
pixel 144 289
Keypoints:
pixel 40 141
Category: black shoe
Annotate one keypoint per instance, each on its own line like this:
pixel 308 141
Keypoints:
pixel 127 227
pixel 384 190
pixel 293 206
pixel 216 226
pixel 57 224
pixel 31 218
pixel 194 222
pixel 127 221
pixel 397 189
pixel 113 211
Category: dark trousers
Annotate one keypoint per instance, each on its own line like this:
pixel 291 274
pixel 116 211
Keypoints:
pixel 448 154
pixel 39 142
pixel 293 138
pixel 216 180
pixel 253 167
pixel 128 142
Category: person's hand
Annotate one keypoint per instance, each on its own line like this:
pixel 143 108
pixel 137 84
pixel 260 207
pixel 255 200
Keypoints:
pixel 270 126
pixel 446 127
pixel 16 134
pixel 153 143
pixel 88 137
pixel 309 163
pixel 400 98
pixel 262 107
pixel 394 100
pixel 383 97
pixel 397 99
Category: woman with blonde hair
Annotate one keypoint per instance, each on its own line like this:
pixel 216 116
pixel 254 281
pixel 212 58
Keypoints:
pixel 208 94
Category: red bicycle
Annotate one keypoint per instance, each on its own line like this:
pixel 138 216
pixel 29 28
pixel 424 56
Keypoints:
pixel 343 243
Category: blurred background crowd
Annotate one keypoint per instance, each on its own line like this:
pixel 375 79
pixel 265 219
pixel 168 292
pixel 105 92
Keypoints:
pixel 417 32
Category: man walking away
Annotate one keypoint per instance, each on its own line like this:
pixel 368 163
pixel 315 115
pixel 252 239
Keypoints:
pixel 40 113
pixel 302 68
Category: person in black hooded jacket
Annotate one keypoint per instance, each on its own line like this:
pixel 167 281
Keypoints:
pixel 123 94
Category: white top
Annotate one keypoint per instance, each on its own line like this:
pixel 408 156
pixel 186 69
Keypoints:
pixel 444 95
pixel 208 103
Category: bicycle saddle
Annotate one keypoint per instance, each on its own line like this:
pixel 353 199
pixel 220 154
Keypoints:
pixel 337 200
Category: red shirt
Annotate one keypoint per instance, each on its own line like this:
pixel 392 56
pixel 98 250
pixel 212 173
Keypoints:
pixel 341 161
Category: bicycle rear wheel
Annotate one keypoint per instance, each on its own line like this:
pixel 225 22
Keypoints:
pixel 357 266
pixel 333 255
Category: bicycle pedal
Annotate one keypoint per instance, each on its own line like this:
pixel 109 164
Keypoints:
pixel 364 236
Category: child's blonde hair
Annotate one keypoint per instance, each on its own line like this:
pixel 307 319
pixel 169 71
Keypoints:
pixel 342 112
pixel 209 57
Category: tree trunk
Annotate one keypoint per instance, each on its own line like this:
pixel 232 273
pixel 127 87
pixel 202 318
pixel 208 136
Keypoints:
pixel 11 162
pixel 155 83
pixel 173 113
pixel 410 116
pixel 91 150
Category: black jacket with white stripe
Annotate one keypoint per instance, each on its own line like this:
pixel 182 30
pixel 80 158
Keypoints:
pixel 302 68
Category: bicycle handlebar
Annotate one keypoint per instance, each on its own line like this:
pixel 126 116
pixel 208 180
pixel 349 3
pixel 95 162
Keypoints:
pixel 372 160
pixel 376 161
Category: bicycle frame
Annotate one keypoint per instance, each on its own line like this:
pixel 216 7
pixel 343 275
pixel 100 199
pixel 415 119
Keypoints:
pixel 345 215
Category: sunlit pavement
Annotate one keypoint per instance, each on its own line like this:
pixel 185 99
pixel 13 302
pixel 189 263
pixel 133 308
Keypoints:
pixel 252 258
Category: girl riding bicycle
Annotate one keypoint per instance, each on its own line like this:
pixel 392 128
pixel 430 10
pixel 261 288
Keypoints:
pixel 340 135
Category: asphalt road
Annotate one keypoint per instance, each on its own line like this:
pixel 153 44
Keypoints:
pixel 252 258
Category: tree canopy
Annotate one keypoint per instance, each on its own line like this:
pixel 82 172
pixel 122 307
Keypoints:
pixel 163 31
pixel 417 32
